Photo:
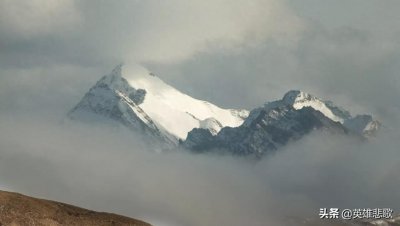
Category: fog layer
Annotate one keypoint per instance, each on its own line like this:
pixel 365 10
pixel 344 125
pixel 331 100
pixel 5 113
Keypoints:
pixel 109 169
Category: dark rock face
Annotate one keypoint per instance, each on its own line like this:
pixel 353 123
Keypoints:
pixel 277 123
pixel 265 130
pixel 113 98
pixel 138 96
pixel 102 100
pixel 199 140
pixel 363 124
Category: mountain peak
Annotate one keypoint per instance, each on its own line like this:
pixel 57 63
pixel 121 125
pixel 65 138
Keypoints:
pixel 144 102
pixel 168 105
pixel 297 96
pixel 114 76
pixel 115 81
pixel 117 70
pixel 279 122
pixel 143 99
pixel 299 99
pixel 361 124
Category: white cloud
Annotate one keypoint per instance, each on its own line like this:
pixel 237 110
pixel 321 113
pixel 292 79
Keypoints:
pixel 169 31
pixel 139 31
pixel 110 169
pixel 176 29
pixel 37 17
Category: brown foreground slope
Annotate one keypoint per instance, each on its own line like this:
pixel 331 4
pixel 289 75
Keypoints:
pixel 17 209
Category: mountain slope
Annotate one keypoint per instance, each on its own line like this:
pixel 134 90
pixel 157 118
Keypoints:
pixel 147 104
pixel 264 131
pixel 362 124
pixel 17 209
pixel 276 123
pixel 181 113
pixel 113 98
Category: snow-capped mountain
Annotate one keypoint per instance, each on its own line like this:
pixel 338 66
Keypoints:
pixel 145 103
pixel 362 124
pixel 266 129
pixel 276 123
pixel 180 113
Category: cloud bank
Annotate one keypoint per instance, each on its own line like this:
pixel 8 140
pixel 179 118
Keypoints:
pixel 108 169
pixel 140 31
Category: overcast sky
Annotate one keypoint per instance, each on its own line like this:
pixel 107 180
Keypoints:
pixel 236 54
pixel 232 53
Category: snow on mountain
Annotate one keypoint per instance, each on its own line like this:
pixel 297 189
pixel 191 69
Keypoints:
pixel 276 123
pixel 146 102
pixel 299 99
pixel 265 130
pixel 113 99
pixel 211 124
pixel 361 124
pixel 180 113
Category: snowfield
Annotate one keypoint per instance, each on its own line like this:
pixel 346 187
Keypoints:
pixel 180 113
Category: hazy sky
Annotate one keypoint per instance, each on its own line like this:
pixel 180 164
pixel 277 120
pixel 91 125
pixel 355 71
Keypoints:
pixel 233 53
pixel 236 54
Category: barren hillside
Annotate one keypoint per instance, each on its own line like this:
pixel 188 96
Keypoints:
pixel 17 209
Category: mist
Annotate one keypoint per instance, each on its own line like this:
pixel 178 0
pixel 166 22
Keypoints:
pixel 108 168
